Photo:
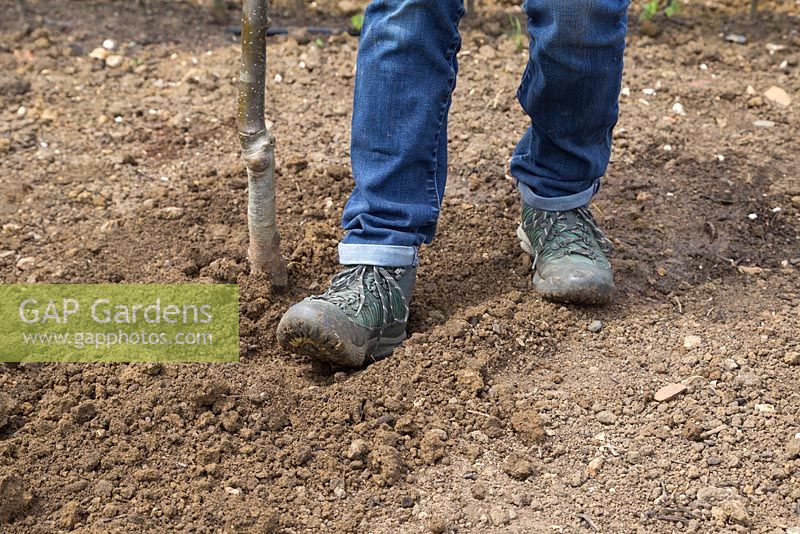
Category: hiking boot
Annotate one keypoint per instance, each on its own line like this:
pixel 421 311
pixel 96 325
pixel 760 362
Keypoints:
pixel 361 317
pixel 569 255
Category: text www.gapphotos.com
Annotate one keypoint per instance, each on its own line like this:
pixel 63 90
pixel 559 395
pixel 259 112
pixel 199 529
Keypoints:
pixel 80 340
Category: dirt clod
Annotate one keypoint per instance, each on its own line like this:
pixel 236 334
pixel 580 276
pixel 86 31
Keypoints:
pixel 528 425
pixel 518 467
pixel 14 497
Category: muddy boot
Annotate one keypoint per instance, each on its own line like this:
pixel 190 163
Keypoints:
pixel 361 317
pixel 569 255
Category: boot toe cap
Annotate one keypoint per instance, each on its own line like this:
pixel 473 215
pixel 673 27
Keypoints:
pixel 576 284
pixel 322 331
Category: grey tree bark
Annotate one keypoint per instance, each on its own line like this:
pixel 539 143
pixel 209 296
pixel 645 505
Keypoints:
pixel 258 145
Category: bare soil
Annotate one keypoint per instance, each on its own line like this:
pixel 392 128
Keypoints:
pixel 503 413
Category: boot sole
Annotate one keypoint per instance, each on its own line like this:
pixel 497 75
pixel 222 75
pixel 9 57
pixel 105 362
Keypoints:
pixel 307 339
pixel 599 297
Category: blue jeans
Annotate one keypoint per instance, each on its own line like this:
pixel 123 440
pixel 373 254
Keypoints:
pixel 406 74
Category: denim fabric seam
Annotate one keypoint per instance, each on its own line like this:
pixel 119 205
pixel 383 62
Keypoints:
pixel 451 52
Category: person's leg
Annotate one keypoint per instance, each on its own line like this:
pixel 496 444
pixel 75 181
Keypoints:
pixel 570 90
pixel 406 74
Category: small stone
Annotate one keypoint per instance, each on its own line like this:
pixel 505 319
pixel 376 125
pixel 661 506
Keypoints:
pixel 358 450
pixel 669 392
pixel 606 417
pixel 678 109
pixel 594 467
pixel 713 460
pixel 792 358
pixel 763 124
pixel 736 38
pixel 755 102
pixel 595 326
pixel 171 213
pixel 99 53
pixel 692 342
pixel 499 517
pixel 777 95
pixel 109 44
pixel 23 264
pixel 729 364
pixel 114 60
pixel 764 408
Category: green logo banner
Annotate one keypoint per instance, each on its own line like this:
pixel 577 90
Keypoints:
pixel 119 323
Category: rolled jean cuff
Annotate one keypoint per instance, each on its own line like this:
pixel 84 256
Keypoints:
pixel 380 255
pixel 568 202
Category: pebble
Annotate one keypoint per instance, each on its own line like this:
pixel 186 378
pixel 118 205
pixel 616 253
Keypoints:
pixel 499 517
pixel 109 44
pixel 792 358
pixel 691 342
pixel 595 326
pixel 765 408
pixel 171 213
pixel 99 53
pixel 669 392
pixel 736 38
pixel 777 95
pixel 729 364
pixel 25 263
pixel 763 124
pixel 606 417
pixel 594 467
pixel 114 61
pixel 358 449
pixel 678 108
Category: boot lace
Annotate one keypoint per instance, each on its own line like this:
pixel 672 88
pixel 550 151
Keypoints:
pixel 568 232
pixel 351 289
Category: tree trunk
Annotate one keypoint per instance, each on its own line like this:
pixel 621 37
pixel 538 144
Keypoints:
pixel 258 145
